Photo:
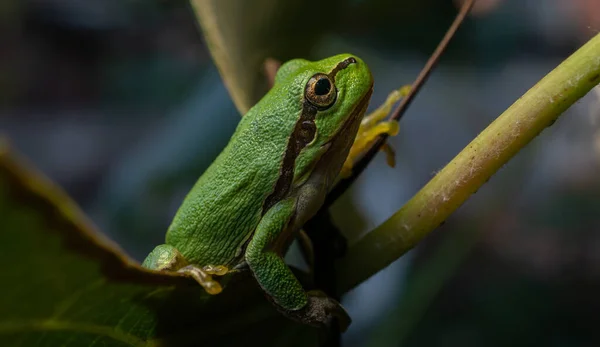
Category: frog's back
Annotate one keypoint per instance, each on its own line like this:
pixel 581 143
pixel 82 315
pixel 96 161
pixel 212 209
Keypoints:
pixel 222 210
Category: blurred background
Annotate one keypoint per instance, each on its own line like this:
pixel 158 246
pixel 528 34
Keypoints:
pixel 120 103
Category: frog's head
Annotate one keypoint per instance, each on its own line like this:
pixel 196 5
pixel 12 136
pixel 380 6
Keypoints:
pixel 334 94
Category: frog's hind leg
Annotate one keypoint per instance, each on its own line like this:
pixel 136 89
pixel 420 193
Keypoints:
pixel 371 127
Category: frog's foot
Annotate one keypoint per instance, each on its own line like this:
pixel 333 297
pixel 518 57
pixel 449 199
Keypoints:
pixel 168 258
pixel 371 127
pixel 322 311
pixel 204 276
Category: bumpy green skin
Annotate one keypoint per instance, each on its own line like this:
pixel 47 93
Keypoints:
pixel 222 222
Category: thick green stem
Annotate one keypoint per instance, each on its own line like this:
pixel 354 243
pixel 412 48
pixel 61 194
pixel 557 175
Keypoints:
pixel 473 166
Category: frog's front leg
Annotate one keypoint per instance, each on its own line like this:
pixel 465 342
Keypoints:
pixel 168 258
pixel 264 256
pixel 371 127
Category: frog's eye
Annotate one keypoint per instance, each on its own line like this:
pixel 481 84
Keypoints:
pixel 320 91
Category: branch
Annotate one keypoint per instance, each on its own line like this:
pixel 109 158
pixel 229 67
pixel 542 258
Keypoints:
pixel 473 166
pixel 399 111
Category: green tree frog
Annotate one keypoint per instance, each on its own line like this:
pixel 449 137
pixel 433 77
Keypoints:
pixel 285 155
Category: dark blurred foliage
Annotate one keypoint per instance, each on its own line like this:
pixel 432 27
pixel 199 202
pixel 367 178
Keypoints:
pixel 119 102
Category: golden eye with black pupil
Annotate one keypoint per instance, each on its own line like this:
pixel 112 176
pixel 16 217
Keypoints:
pixel 320 91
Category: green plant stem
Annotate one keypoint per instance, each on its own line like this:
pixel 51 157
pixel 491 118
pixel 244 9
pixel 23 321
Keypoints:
pixel 473 166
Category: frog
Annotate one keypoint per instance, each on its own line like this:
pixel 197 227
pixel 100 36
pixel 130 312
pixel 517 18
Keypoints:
pixel 285 155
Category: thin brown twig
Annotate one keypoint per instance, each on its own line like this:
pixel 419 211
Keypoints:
pixel 397 114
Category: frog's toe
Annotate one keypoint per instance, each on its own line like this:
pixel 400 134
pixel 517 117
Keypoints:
pixel 390 154
pixel 219 270
pixel 203 278
pixel 364 139
pixel 212 287
pixel 392 128
pixel 384 109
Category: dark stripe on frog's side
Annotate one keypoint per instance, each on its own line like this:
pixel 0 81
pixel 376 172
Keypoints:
pixel 304 132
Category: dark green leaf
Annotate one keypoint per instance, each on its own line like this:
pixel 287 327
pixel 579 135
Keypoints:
pixel 242 34
pixel 64 284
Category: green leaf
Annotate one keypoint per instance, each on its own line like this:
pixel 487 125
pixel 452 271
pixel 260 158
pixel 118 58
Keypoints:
pixel 63 283
pixel 242 34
